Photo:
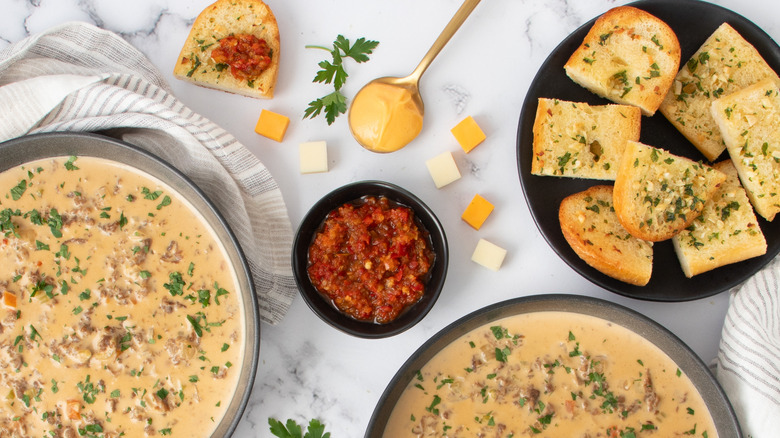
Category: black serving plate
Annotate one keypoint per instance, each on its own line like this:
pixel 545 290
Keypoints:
pixel 693 21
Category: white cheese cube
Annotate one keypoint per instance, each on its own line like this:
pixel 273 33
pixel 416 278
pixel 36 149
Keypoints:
pixel 313 157
pixel 488 255
pixel 443 169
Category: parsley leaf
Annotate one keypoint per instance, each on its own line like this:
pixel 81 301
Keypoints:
pixel 55 223
pixel 18 190
pixel 7 226
pixel 334 104
pixel 359 51
pixel 69 164
pixel 195 326
pixel 292 430
pixel 333 72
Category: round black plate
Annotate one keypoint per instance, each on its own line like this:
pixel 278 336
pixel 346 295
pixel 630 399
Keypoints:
pixel 693 21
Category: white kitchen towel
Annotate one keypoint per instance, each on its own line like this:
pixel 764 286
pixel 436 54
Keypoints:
pixel 748 362
pixel 76 77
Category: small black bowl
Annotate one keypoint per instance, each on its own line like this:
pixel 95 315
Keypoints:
pixel 322 306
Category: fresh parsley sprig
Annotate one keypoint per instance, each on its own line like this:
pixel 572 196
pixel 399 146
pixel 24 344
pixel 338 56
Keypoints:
pixel 293 430
pixel 333 72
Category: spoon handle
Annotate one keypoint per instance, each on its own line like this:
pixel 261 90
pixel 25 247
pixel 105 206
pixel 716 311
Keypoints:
pixel 452 27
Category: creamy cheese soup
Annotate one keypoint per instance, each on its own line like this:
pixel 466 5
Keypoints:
pixel 550 374
pixel 120 314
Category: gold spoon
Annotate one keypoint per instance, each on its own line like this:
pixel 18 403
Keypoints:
pixel 386 114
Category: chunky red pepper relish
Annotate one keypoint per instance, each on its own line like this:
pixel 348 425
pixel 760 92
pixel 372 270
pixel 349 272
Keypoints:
pixel 246 55
pixel 371 259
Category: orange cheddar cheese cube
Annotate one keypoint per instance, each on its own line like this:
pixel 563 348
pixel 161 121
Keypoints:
pixel 468 133
pixel 272 125
pixel 477 211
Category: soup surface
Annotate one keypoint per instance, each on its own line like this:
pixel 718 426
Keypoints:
pixel 550 374
pixel 120 314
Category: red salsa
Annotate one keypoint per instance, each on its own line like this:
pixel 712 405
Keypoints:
pixel 246 55
pixel 371 259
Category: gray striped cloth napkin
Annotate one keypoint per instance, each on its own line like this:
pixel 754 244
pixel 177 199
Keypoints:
pixel 748 362
pixel 76 77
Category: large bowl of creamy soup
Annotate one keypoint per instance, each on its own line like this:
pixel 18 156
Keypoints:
pixel 554 366
pixel 127 305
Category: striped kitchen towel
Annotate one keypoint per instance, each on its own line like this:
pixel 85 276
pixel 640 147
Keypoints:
pixel 76 77
pixel 748 362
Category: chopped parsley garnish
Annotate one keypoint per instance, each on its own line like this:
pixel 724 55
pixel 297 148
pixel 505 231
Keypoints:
pixel 175 285
pixel 18 190
pixel 69 165
pixel 165 202
pixel 150 195
pixel 55 223
pixel 195 325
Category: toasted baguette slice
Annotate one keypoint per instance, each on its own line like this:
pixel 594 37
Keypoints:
pixel 629 56
pixel 725 63
pixel 726 232
pixel 749 121
pixel 580 140
pixel 658 194
pixel 589 224
pixel 226 18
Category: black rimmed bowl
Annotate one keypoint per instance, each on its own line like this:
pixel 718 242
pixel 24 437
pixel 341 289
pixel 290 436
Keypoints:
pixel 38 146
pixel 726 423
pixel 322 306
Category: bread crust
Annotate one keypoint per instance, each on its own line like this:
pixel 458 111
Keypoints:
pixel 726 232
pixel 591 228
pixel 658 194
pixel 575 139
pixel 724 63
pixel 628 56
pixel 221 19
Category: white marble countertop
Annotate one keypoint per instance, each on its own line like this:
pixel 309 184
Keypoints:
pixel 308 369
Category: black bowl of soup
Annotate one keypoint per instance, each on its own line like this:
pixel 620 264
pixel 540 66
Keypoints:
pixel 554 365
pixel 136 297
pixel 370 259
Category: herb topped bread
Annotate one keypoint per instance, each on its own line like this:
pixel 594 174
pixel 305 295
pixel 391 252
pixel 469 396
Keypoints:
pixel 725 63
pixel 589 224
pixel 749 121
pixel 629 56
pixel 658 194
pixel 233 46
pixel 579 140
pixel 726 231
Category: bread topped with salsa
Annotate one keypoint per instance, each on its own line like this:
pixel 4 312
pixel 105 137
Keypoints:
pixel 629 56
pixel 233 46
